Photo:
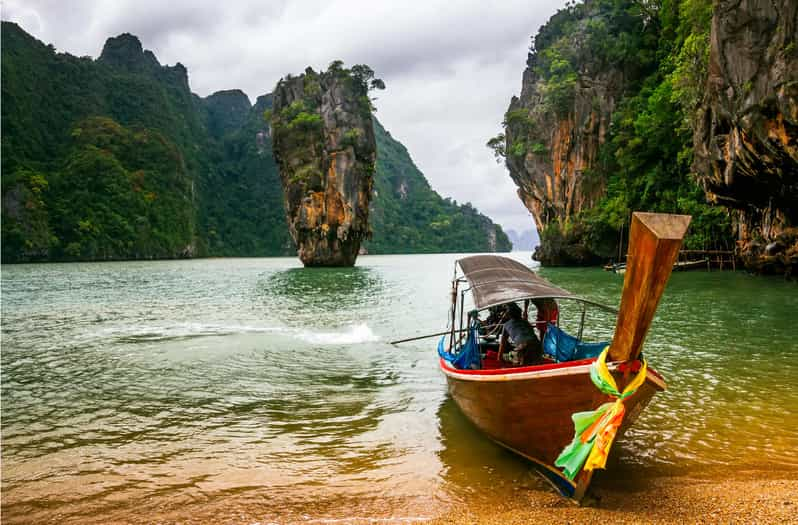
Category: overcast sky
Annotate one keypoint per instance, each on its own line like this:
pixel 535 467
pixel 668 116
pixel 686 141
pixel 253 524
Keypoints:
pixel 450 66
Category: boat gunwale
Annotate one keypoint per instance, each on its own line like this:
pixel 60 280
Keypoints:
pixel 581 366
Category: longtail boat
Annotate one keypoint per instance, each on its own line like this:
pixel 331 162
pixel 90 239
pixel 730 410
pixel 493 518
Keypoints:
pixel 700 264
pixel 564 411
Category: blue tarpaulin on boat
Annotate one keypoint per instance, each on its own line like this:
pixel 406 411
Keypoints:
pixel 467 358
pixel 564 347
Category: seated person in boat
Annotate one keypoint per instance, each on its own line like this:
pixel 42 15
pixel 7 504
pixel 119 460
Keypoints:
pixel 548 311
pixel 493 324
pixel 520 334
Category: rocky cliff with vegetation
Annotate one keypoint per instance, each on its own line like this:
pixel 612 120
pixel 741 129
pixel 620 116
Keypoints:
pixel 746 137
pixel 323 140
pixel 671 106
pixel 554 129
pixel 115 158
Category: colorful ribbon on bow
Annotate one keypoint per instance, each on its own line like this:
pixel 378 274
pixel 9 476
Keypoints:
pixel 594 431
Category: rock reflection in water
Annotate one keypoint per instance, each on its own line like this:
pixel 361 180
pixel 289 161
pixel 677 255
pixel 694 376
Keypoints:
pixel 320 295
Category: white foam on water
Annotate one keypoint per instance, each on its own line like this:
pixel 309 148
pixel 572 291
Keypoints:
pixel 151 332
pixel 354 334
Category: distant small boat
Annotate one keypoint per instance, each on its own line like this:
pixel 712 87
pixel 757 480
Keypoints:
pixel 681 266
pixel 562 414
pixel 615 267
pixel 678 266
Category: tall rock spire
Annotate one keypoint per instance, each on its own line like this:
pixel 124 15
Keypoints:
pixel 323 141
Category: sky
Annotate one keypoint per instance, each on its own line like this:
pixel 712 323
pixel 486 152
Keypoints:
pixel 450 66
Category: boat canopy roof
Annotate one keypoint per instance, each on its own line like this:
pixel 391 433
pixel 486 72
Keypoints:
pixel 498 280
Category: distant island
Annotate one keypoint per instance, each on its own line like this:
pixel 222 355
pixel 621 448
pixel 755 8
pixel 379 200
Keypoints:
pixel 116 158
pixel 526 240
pixel 680 107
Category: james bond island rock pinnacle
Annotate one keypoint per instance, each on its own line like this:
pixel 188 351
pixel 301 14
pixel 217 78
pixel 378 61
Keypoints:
pixel 323 141
pixel 746 143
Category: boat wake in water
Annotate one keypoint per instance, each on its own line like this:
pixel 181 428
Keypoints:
pixel 354 334
pixel 348 335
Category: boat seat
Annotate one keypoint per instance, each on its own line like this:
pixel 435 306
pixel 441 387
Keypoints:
pixel 561 346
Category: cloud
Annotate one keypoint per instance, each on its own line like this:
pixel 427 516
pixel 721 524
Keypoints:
pixel 450 66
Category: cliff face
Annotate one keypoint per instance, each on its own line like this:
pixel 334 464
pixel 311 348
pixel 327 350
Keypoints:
pixel 746 141
pixel 126 52
pixel 549 152
pixel 554 129
pixel 227 111
pixel 323 141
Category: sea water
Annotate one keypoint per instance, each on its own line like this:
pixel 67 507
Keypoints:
pixel 249 390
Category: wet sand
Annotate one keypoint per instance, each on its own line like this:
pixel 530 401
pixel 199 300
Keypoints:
pixel 742 496
pixel 722 496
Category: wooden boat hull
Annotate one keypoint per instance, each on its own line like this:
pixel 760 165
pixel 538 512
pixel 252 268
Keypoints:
pixel 528 410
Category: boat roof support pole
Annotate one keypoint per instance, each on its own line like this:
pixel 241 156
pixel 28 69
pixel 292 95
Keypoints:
pixel 462 306
pixel 582 321
pixel 453 308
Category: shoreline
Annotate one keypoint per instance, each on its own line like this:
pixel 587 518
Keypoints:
pixel 717 495
pixel 721 495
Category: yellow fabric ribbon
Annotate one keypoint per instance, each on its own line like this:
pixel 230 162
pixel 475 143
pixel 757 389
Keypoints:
pixel 595 430
pixel 610 422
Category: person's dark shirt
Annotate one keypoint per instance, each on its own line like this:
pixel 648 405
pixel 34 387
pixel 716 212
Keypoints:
pixel 520 332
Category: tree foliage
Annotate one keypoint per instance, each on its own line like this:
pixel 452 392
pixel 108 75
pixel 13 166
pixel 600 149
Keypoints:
pixel 407 216
pixel 647 160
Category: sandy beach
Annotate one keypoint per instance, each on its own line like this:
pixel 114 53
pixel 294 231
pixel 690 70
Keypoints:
pixel 742 496
pixel 720 496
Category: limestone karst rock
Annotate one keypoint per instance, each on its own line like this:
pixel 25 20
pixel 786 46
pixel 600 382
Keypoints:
pixel 549 153
pixel 746 141
pixel 323 141
pixel 228 111
pixel 552 138
pixel 615 108
pixel 126 52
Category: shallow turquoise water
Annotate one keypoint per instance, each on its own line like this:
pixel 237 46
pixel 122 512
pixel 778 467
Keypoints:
pixel 133 390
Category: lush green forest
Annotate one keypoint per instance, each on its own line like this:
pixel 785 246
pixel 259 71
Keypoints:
pixel 409 217
pixel 246 218
pixel 651 59
pixel 647 160
pixel 115 158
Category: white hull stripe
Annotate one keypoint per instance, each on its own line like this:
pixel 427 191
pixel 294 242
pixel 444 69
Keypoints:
pixel 537 374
